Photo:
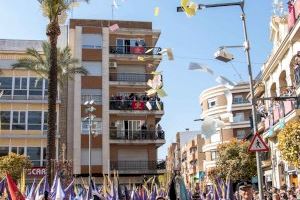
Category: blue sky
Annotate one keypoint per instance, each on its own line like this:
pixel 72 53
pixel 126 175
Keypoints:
pixel 192 39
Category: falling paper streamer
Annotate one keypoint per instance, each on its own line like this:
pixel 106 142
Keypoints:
pixel 156 11
pixel 115 4
pixel 143 58
pixel 148 105
pixel 190 8
pixel 224 81
pixel 210 125
pixel 170 54
pixel 200 67
pixel 156 85
pixel 114 27
pixel 228 96
pixel 149 50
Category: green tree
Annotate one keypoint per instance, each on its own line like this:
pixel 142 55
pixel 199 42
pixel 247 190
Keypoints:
pixel 14 165
pixel 289 143
pixel 66 68
pixel 235 161
pixel 55 11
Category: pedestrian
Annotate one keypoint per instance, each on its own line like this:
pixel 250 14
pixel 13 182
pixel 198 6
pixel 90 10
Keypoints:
pixel 275 195
pixel 245 191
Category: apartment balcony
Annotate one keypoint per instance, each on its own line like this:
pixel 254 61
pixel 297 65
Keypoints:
pixel 281 113
pixel 136 107
pixel 129 79
pixel 138 167
pixel 137 137
pixel 240 101
pixel 132 52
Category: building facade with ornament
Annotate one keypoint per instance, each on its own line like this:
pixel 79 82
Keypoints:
pixel 279 77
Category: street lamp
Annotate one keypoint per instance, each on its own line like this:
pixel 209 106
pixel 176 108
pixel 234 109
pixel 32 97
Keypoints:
pixel 247 50
pixel 89 110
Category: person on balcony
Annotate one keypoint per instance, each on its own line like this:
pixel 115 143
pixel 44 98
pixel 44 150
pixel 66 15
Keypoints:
pixel 297 68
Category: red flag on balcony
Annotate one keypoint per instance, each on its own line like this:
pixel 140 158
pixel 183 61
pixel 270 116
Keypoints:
pixel 137 105
pixel 14 192
pixel 291 17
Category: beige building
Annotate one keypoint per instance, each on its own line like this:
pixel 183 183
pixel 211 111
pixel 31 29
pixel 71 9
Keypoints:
pixel 23 104
pixel 230 112
pixel 279 77
pixel 192 159
pixel 127 132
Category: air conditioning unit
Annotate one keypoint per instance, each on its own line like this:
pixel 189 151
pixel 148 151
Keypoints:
pixel 113 65
pixel 224 56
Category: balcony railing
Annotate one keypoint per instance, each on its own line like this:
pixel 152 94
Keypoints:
pixel 136 135
pixel 23 97
pixel 137 165
pixel 134 105
pixel 130 77
pixel 279 111
pixel 135 50
pixel 240 101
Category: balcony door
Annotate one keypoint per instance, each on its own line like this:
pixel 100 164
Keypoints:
pixel 128 129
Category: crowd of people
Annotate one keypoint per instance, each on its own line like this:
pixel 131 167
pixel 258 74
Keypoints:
pixel 135 102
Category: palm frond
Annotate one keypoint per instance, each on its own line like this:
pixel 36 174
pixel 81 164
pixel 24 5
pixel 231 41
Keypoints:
pixel 77 70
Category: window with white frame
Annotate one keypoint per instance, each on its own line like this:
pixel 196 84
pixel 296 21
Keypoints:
pixel 19 120
pixel 20 86
pixel 6 86
pixel 18 150
pixel 45 121
pixel 96 126
pixel 35 87
pixel 96 154
pixel 239 117
pixel 5 120
pixel 4 151
pixel 34 120
pixel 238 99
pixel 240 134
pixel 34 154
pixel 214 155
pixel 212 102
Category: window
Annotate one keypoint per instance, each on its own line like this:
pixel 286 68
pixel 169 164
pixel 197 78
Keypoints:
pixel 91 94
pixel 240 134
pixel 19 122
pixel 6 86
pixel 96 154
pixel 18 150
pixel 123 45
pixel 34 154
pixel 46 88
pixel 239 117
pixel 93 68
pixel 214 155
pixel 4 151
pixel 91 41
pixel 45 121
pixel 239 99
pixel 35 87
pixel 5 120
pixel 96 126
pixel 20 88
pixel 212 102
pixel 44 156
pixel 34 120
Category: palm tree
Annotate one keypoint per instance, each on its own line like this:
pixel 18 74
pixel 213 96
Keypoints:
pixel 54 10
pixel 66 68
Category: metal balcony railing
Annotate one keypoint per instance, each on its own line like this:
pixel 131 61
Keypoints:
pixel 24 97
pixel 137 50
pixel 240 101
pixel 137 165
pixel 136 135
pixel 134 105
pixel 130 77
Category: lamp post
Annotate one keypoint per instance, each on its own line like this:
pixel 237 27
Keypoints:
pixel 247 50
pixel 89 110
